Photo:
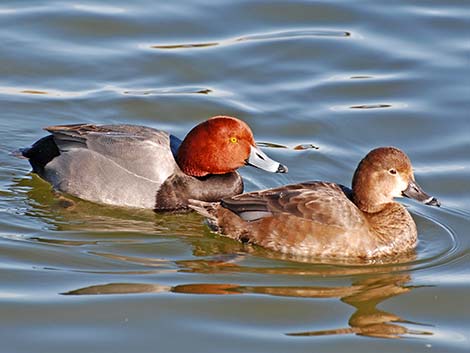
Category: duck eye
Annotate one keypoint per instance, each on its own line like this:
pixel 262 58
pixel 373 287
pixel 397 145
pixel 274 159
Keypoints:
pixel 393 171
pixel 233 139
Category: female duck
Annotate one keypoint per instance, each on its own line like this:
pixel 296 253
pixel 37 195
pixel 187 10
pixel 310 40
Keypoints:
pixel 326 219
pixel 137 166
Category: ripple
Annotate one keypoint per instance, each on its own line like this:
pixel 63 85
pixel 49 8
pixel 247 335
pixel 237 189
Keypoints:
pixel 371 106
pixel 368 106
pixel 306 146
pixel 171 90
pixel 437 243
pixel 29 91
pixel 51 93
pixel 270 144
pixel 186 46
pixel 299 147
pixel 100 9
pixel 259 37
pixel 344 78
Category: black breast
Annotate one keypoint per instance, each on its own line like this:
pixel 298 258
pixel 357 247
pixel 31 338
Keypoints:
pixel 179 188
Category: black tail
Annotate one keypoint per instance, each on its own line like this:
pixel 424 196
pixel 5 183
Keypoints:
pixel 40 153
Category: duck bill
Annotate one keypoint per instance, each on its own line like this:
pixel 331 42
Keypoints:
pixel 414 191
pixel 260 160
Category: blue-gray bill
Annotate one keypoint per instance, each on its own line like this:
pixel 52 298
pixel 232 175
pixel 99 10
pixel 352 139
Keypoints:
pixel 260 160
pixel 414 191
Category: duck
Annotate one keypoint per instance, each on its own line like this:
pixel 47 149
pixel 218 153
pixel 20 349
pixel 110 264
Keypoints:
pixel 328 220
pixel 142 167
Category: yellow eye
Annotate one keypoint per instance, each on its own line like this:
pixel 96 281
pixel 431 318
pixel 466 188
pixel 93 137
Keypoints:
pixel 233 140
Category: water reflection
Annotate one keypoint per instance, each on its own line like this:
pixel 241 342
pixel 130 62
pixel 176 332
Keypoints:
pixel 371 286
pixel 364 294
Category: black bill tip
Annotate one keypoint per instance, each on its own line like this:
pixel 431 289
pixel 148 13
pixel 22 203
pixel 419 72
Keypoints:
pixel 433 202
pixel 281 169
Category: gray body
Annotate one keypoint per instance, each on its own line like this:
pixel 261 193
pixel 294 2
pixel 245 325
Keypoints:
pixel 122 165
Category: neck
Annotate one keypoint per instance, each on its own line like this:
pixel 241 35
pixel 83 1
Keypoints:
pixel 363 188
pixel 179 188
pixel 184 163
pixel 185 159
pixel 368 206
pixel 214 187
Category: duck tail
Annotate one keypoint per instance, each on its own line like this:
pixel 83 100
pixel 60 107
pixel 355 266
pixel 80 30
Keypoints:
pixel 207 210
pixel 40 153
pixel 19 153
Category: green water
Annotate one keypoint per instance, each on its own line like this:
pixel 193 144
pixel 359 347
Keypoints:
pixel 345 76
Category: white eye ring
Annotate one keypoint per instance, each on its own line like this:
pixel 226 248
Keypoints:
pixel 392 171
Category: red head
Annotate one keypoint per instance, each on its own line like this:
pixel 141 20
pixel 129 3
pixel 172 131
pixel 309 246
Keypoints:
pixel 220 145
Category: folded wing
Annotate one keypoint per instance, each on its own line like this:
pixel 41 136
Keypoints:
pixel 313 201
pixel 142 151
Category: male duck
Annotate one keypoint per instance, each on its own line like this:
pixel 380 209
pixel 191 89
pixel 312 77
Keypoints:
pixel 137 166
pixel 326 219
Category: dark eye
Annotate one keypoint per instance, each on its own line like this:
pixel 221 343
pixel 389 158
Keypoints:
pixel 393 171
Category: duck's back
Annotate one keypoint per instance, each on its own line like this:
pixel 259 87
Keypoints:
pixel 308 219
pixel 121 165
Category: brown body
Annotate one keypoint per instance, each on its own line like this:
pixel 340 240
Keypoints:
pixel 327 219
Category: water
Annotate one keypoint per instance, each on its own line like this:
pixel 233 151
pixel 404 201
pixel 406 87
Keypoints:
pixel 343 76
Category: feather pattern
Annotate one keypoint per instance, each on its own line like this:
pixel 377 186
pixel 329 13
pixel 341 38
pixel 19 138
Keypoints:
pixel 112 164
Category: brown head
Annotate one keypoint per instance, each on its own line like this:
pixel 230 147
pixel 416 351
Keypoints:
pixel 383 174
pixel 221 145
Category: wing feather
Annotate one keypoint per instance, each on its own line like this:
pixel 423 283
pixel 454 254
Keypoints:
pixel 143 151
pixel 310 201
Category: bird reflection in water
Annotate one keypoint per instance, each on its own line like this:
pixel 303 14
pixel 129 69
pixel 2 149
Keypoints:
pixel 364 294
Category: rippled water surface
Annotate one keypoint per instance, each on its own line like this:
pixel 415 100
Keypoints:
pixel 343 76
